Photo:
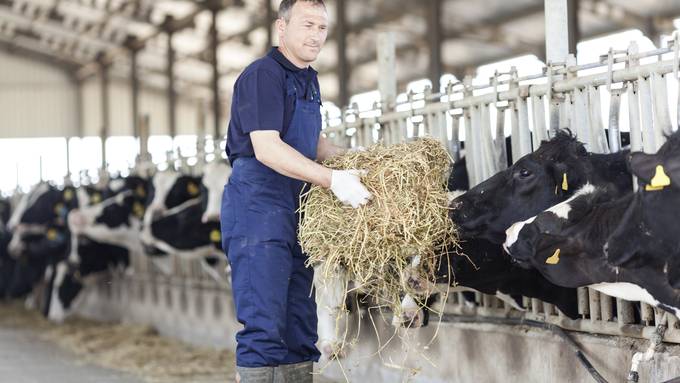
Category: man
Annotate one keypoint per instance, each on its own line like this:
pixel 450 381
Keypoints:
pixel 273 144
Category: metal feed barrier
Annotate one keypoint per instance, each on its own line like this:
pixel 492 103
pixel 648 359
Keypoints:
pixel 536 106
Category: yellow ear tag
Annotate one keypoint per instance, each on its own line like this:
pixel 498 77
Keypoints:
pixel 68 194
pixel 192 189
pixel 51 234
pixel 140 191
pixel 554 259
pixel 659 181
pixel 565 184
pixel 215 236
pixel 138 209
pixel 96 198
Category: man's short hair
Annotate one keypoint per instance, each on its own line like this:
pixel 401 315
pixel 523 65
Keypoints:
pixel 287 5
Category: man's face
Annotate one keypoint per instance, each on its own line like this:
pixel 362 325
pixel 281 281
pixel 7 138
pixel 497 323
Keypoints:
pixel 305 33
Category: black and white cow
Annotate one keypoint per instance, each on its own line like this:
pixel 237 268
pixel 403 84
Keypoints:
pixel 191 229
pixel 565 243
pixel 535 182
pixel 102 237
pixel 649 230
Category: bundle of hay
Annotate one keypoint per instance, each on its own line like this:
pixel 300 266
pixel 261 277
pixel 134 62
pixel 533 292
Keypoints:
pixel 407 216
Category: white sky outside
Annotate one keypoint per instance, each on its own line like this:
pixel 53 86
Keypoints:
pixel 21 158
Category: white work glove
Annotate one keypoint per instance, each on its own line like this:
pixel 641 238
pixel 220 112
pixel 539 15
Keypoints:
pixel 347 186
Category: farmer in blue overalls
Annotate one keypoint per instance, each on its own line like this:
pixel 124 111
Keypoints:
pixel 273 144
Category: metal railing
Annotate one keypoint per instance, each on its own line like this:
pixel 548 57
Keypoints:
pixel 537 106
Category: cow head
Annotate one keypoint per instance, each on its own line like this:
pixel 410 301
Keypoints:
pixel 565 241
pixel 535 182
pixel 215 176
pixel 648 230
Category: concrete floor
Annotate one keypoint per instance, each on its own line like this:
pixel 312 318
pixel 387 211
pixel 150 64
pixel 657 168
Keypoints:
pixel 25 358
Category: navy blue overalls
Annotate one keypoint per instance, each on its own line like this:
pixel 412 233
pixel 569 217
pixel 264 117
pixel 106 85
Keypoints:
pixel 272 288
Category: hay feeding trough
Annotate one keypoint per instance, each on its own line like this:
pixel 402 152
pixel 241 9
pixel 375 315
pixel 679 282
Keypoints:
pixel 407 216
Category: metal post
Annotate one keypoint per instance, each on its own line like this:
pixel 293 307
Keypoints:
pixel 556 30
pixel 343 72
pixel 104 77
pixel 133 45
pixel 214 44
pixel 574 31
pixel 172 95
pixel 434 33
pixel 387 78
pixel 269 24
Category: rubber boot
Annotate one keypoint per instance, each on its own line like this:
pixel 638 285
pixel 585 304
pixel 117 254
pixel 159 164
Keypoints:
pixel 254 374
pixel 294 373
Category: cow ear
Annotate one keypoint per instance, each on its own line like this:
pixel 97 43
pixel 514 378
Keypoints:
pixel 673 169
pixel 643 165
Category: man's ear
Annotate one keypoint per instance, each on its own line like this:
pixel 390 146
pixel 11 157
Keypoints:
pixel 280 26
pixel 643 165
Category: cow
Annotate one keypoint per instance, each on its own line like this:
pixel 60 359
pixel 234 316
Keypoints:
pixel 103 236
pixel 44 205
pixel 648 233
pixel 190 230
pixel 535 182
pixel 565 243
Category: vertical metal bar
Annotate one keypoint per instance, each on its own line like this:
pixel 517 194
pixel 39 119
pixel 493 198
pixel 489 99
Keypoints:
pixel 535 306
pixel 596 127
pixel 556 122
pixel 270 27
pixel 548 309
pixel 565 112
pixel 606 307
pixel 574 32
pixel 469 150
pixel 538 111
pixel 646 314
pixel 455 137
pixel 594 303
pixel 170 73
pixel 215 81
pixel 488 158
pixel 434 39
pixel 646 114
pixel 583 306
pixel 614 130
pixel 556 30
pixel 514 134
pixel 475 143
pixel 524 132
pixel 581 118
pixel 104 77
pixel 133 47
pixel 624 312
pixel 662 118
pixel 634 118
pixel 387 77
pixel 343 69
pixel 501 151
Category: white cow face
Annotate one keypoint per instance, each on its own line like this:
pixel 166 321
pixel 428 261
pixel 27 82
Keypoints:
pixel 215 177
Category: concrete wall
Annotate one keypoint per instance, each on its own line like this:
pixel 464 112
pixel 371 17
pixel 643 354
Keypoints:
pixel 197 310
pixel 36 99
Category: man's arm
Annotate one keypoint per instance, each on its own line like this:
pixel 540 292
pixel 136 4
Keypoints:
pixel 326 150
pixel 283 159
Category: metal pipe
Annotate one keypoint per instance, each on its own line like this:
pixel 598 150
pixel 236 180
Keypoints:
pixel 217 105
pixel 170 73
pixel 104 88
pixel 343 69
pixel 556 30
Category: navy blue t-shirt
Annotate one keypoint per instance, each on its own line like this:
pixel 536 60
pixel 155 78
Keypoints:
pixel 260 100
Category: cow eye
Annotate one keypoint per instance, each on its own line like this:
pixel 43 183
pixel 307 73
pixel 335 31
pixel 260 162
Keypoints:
pixel 524 173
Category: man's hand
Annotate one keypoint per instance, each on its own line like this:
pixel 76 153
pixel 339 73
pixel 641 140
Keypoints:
pixel 347 186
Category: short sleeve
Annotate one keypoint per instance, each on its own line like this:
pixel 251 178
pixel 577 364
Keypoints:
pixel 261 101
